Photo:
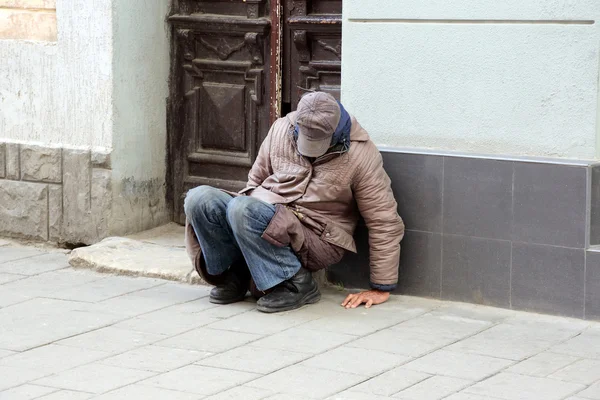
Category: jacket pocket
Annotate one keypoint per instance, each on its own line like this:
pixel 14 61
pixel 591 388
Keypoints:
pixel 284 229
pixel 337 236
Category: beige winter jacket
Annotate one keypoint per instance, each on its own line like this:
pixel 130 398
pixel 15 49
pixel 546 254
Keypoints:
pixel 325 198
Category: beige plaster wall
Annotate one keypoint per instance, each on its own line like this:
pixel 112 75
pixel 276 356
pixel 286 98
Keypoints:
pixel 28 20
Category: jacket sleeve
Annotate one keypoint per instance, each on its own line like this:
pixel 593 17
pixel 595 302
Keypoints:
pixel 378 207
pixel 261 169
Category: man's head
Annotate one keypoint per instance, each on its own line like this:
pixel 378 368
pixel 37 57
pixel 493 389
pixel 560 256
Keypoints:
pixel 318 117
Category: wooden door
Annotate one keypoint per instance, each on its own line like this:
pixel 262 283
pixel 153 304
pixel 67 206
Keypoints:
pixel 236 66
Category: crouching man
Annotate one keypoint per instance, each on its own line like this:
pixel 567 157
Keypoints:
pixel 315 172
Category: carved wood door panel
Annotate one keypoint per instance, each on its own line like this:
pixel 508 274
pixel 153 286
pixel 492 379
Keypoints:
pixel 312 48
pixel 236 66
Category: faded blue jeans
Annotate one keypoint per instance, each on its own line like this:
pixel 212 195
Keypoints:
pixel 230 228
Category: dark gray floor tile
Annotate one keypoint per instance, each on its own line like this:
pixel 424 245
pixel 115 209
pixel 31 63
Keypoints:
pixel 595 217
pixel 548 279
pixel 417 184
pixel 420 264
pixel 476 270
pixel 477 197
pixel 549 204
pixel 592 286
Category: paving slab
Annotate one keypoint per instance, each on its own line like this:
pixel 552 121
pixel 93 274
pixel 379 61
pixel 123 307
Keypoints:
pixel 137 391
pixel 254 359
pixel 155 358
pixel 304 340
pixel 5 278
pixel 542 364
pixel 94 378
pixel 26 392
pixel 391 382
pixel 10 253
pixel 12 377
pixel 211 340
pixel 36 264
pixel 111 340
pixel 312 383
pixel 53 358
pixel 465 366
pixel 433 388
pixel 66 395
pixel 200 380
pixel 513 386
pixel 356 361
pixel 592 392
pixel 241 392
pixel 582 371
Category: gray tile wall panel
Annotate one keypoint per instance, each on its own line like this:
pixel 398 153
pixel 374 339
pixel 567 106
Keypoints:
pixel 417 184
pixel 478 197
pixel 476 270
pixel 550 204
pixel 548 279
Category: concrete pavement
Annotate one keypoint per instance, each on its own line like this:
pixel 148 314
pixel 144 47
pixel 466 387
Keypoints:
pixel 69 334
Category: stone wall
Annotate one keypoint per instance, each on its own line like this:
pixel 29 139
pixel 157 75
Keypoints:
pixel 54 194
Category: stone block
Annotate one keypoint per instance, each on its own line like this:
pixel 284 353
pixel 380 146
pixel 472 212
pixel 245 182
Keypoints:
pixel 101 201
pixel 2 160
pixel 77 222
pixel 135 258
pixel 42 164
pixel 55 212
pixel 13 170
pixel 24 210
pixel 101 159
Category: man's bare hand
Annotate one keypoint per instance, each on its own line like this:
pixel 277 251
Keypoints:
pixel 370 297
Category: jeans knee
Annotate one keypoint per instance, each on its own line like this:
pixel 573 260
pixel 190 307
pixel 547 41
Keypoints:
pixel 199 198
pixel 237 210
pixel 243 211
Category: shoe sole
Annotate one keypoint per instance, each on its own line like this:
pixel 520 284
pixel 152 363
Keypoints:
pixel 310 298
pixel 227 301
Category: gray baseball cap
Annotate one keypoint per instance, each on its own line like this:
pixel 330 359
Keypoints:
pixel 318 115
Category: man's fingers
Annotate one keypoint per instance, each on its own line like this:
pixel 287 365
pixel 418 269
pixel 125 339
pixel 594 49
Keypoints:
pixel 358 301
pixel 347 300
pixel 369 303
